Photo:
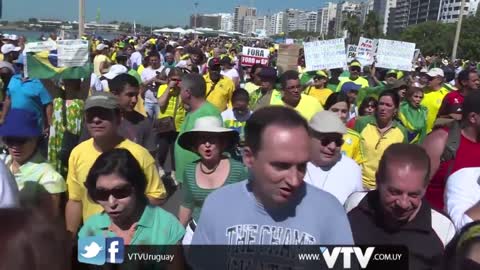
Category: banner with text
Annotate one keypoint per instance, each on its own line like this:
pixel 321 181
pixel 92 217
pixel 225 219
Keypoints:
pixel 325 54
pixel 392 54
pixel 72 53
pixel 351 53
pixel 366 51
pixel 251 56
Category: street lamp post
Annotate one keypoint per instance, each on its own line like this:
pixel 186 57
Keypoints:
pixel 195 15
pixel 457 33
pixel 81 18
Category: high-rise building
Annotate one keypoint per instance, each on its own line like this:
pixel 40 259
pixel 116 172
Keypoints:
pixel 295 19
pixel 248 24
pixel 206 21
pixel 238 17
pixel 226 23
pixel 278 23
pixel 343 9
pixel 325 16
pixel 450 10
pixel 423 10
pixel 382 8
pixel 398 18
pixel 367 6
pixel 311 24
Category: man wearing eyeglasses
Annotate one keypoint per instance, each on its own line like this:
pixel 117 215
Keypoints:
pixel 292 96
pixel 355 69
pixel 328 169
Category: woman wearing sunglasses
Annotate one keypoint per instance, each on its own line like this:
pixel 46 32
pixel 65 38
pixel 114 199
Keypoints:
pixel 209 139
pixel 39 184
pixel 117 182
pixel 380 131
pixel 352 146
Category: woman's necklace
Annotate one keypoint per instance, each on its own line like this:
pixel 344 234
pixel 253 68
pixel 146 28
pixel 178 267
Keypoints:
pixel 206 171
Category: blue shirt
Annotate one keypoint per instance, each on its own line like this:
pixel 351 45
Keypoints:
pixel 30 95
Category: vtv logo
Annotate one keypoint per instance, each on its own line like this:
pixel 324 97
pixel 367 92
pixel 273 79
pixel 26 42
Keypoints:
pixel 331 258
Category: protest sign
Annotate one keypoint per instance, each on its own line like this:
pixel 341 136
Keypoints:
pixel 351 52
pixel 251 56
pixel 392 54
pixel 366 51
pixel 289 41
pixel 325 54
pixel 287 57
pixel 72 53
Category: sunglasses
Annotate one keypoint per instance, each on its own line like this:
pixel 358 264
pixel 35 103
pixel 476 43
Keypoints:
pixel 15 140
pixel 355 69
pixel 326 140
pixel 103 114
pixel 117 193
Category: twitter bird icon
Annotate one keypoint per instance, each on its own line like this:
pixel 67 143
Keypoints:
pixel 91 250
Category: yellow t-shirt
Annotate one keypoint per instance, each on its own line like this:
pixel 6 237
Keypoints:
pixel 359 81
pixel 320 94
pixel 221 95
pixel 169 111
pixel 96 63
pixel 251 87
pixel 307 107
pixel 81 161
pixel 352 146
pixel 433 100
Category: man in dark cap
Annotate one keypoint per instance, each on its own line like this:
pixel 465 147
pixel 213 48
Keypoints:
pixel 261 97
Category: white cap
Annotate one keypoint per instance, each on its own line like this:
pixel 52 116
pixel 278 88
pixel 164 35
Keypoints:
pixel 114 71
pixel 8 48
pixel 13 37
pixel 436 72
pixel 101 47
pixel 327 122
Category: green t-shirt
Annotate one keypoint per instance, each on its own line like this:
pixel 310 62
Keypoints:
pixel 155 227
pixel 194 196
pixel 183 156
pixel 134 73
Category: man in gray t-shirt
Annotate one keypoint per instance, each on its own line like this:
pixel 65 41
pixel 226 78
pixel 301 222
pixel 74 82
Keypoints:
pixel 275 206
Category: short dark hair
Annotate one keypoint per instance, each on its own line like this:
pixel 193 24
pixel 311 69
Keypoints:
pixel 175 72
pixel 464 75
pixel 336 98
pixel 411 154
pixel 412 90
pixel 365 103
pixel 393 94
pixel 288 75
pixel 123 163
pixel 153 54
pixel 255 67
pixel 240 94
pixel 195 83
pixel 270 116
pixel 471 103
pixel 117 85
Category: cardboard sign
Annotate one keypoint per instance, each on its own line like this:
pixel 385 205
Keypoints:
pixel 366 51
pixel 288 57
pixel 252 56
pixel 392 54
pixel 325 54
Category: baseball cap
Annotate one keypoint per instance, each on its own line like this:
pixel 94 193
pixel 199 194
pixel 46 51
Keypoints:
pixel 104 100
pixel 101 47
pixel 355 64
pixel 321 73
pixel 8 48
pixel 435 72
pixel 327 122
pixel 398 84
pixel 114 71
pixel 214 63
pixel 13 37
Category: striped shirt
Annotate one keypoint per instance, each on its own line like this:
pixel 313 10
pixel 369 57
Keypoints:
pixel 194 196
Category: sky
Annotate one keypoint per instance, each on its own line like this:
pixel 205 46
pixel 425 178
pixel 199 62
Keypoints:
pixel 147 12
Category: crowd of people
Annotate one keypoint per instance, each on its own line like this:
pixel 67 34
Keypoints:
pixel 360 156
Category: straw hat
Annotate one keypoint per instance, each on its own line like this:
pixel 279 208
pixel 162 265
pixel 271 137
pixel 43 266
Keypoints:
pixel 211 125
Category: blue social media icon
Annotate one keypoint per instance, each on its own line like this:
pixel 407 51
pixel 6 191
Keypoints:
pixel 91 250
pixel 115 250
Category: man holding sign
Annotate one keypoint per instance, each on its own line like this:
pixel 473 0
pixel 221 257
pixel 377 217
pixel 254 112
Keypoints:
pixel 355 69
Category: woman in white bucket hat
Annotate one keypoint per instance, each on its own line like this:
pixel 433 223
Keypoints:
pixel 210 140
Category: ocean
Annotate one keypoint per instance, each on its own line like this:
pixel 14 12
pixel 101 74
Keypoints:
pixel 33 36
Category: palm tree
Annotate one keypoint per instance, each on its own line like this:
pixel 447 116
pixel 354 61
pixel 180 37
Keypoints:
pixel 371 27
pixel 352 25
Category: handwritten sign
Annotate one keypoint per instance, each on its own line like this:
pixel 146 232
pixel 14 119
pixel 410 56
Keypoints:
pixel 72 53
pixel 252 56
pixel 366 51
pixel 392 54
pixel 40 46
pixel 351 53
pixel 325 54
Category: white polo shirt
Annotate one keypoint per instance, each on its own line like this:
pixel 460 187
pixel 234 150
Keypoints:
pixel 341 180
pixel 461 193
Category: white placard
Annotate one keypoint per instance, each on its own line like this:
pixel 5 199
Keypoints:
pixel 72 53
pixel 251 56
pixel 351 53
pixel 392 54
pixel 325 54
pixel 366 51
pixel 40 46
pixel 289 41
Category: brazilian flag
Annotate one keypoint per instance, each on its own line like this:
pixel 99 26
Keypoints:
pixel 44 65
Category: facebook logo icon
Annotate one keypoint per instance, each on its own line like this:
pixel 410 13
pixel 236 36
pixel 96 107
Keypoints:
pixel 115 250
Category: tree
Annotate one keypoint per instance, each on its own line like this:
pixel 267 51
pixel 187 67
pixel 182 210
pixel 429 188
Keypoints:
pixel 371 27
pixel 352 25
pixel 431 37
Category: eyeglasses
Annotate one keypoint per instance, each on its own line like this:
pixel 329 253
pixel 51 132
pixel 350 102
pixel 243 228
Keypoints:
pixel 294 87
pixel 117 193
pixel 357 69
pixel 326 140
pixel 9 141
pixel 104 114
